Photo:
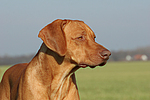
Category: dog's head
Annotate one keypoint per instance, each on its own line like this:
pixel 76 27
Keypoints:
pixel 74 39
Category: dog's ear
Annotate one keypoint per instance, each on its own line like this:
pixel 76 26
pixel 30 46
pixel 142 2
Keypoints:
pixel 54 37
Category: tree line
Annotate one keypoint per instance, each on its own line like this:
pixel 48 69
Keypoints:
pixel 11 60
pixel 121 54
pixel 115 56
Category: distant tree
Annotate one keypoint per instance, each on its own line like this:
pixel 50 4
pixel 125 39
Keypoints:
pixel 121 55
pixel 8 60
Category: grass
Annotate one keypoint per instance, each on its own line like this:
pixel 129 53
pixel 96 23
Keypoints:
pixel 116 81
pixel 2 70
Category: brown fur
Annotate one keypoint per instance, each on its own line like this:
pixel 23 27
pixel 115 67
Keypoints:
pixel 67 46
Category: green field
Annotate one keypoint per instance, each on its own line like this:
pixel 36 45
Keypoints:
pixel 115 81
pixel 2 70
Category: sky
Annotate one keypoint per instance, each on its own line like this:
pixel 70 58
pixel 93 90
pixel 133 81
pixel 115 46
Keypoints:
pixel 118 24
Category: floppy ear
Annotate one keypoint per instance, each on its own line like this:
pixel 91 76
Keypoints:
pixel 54 37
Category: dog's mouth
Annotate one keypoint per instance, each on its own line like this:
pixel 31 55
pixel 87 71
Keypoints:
pixel 91 66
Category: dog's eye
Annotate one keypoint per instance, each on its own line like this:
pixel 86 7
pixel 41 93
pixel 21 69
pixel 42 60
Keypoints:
pixel 80 38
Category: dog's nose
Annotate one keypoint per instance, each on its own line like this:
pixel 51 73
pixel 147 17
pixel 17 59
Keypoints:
pixel 105 54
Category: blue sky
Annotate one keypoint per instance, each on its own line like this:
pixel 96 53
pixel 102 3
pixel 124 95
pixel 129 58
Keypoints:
pixel 118 24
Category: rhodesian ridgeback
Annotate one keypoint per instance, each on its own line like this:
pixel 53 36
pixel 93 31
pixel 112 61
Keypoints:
pixel 67 46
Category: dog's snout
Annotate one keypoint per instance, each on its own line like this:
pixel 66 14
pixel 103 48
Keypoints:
pixel 105 54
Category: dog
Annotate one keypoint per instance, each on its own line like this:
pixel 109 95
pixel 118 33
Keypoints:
pixel 67 46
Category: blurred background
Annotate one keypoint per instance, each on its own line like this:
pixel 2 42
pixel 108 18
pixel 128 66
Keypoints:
pixel 122 26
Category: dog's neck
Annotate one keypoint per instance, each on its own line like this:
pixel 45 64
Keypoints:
pixel 51 61
pixel 57 73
